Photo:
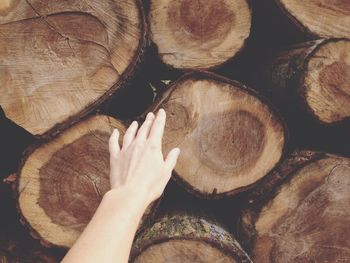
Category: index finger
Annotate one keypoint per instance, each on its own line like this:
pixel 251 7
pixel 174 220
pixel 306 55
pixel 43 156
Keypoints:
pixel 157 129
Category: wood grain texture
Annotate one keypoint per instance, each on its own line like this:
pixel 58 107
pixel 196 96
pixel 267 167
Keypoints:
pixel 61 182
pixel 319 18
pixel 184 238
pixel 199 34
pixel 308 217
pixel 314 76
pixel 61 58
pixel 229 137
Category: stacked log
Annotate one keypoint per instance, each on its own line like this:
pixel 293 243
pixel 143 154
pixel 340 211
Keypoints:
pixel 229 136
pixel 314 77
pixel 319 18
pixel 199 34
pixel 186 238
pixel 60 59
pixel 307 218
pixel 61 182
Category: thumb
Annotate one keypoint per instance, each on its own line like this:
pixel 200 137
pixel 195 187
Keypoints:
pixel 171 159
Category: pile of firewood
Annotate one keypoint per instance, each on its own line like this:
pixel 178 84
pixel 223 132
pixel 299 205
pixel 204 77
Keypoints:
pixel 246 186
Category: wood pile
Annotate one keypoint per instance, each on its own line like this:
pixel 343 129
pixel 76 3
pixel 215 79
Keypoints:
pixel 247 86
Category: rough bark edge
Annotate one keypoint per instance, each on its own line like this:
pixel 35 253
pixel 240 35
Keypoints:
pixel 180 226
pixel 296 22
pixel 295 64
pixel 15 189
pixel 222 64
pixel 295 81
pixel 123 79
pixel 300 81
pixel 199 74
pixel 269 189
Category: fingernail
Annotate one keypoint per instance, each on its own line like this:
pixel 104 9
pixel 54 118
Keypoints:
pixel 149 115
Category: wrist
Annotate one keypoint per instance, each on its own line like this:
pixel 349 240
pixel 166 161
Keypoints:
pixel 130 196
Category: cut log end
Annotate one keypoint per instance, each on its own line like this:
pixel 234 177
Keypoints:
pixel 65 58
pixel 199 34
pixel 309 217
pixel 62 182
pixel 228 137
pixel 75 176
pixel 319 17
pixel 327 84
pixel 183 238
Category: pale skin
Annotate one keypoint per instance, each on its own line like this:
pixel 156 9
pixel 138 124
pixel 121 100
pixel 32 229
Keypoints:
pixel 138 176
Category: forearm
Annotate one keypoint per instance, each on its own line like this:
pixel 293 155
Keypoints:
pixel 109 235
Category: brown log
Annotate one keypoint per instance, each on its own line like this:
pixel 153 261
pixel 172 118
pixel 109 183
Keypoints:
pixel 61 182
pixel 229 136
pixel 314 77
pixel 319 18
pixel 308 217
pixel 184 238
pixel 59 59
pixel 199 34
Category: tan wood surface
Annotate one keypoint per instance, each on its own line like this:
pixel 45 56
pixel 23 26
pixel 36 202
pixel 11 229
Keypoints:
pixel 321 18
pixel 228 137
pixel 308 218
pixel 58 58
pixel 199 34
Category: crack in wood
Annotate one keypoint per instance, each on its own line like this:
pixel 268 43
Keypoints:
pixel 50 26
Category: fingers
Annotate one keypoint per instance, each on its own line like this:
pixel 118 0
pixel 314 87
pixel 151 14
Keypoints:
pixel 143 132
pixel 171 159
pixel 157 130
pixel 129 135
pixel 114 147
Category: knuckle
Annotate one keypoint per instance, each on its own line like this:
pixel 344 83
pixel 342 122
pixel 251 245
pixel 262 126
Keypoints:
pixel 153 145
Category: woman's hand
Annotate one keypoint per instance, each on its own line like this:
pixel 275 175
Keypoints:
pixel 139 165
pixel 138 176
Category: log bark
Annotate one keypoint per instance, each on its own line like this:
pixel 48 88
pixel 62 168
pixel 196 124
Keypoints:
pixel 314 77
pixel 229 136
pixel 319 18
pixel 61 182
pixel 199 34
pixel 307 218
pixel 184 238
pixel 60 59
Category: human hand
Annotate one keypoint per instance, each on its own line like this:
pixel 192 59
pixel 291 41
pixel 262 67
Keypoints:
pixel 139 164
